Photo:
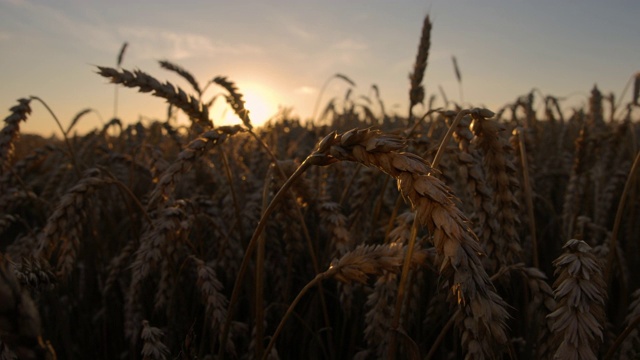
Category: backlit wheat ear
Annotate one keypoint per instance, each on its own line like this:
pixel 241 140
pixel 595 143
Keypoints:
pixel 483 314
pixel 235 100
pixel 492 141
pixel 174 95
pixel 482 207
pixel 11 131
pixel 186 159
pixel 580 292
pixel 416 91
pixel 165 64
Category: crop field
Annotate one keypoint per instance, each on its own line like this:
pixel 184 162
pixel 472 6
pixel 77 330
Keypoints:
pixel 456 232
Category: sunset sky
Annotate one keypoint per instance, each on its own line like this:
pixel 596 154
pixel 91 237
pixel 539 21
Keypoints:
pixel 280 53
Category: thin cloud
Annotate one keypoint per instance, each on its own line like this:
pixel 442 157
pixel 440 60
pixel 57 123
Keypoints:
pixel 298 31
pixel 306 90
pixel 14 2
pixel 55 23
pixel 351 44
pixel 158 42
pixel 4 36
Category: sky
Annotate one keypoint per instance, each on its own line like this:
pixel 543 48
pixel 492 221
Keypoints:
pixel 281 53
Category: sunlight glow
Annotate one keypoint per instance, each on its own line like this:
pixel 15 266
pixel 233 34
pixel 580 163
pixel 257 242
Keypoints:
pixel 258 101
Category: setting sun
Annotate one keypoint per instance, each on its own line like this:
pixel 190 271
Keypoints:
pixel 258 101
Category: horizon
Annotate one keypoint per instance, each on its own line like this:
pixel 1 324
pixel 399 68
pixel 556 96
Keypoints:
pixel 279 54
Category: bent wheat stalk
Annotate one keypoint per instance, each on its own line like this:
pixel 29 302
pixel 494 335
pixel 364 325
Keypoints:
pixel 483 315
pixel 355 266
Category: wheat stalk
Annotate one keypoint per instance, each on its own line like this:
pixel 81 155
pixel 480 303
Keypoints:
pixel 354 266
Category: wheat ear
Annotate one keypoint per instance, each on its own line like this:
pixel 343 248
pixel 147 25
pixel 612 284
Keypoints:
pixel 153 348
pixel 580 292
pixel 165 64
pixel 483 315
pixel 174 95
pixel 500 170
pixel 194 150
pixel 11 131
pixel 20 328
pixel 416 90
pixel 235 100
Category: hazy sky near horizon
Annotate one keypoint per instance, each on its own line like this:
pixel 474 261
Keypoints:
pixel 281 52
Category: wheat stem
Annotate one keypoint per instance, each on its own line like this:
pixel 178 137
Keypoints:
pixel 529 197
pixel 251 247
pixel 618 220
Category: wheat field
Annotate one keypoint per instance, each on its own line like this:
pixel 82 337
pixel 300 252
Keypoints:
pixel 450 233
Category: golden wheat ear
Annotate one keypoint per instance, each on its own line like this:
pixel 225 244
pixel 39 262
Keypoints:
pixel 482 316
pixel 196 111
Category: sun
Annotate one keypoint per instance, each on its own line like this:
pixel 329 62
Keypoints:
pixel 260 103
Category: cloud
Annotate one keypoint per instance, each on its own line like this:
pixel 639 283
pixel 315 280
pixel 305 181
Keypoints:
pixel 4 36
pixel 298 31
pixel 157 42
pixel 14 2
pixel 350 44
pixel 54 23
pixel 305 90
pixel 149 41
